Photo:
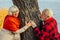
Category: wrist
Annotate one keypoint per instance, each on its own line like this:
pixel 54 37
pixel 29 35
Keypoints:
pixel 25 27
pixel 34 26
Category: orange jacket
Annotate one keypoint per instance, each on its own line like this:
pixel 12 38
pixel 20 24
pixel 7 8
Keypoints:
pixel 11 23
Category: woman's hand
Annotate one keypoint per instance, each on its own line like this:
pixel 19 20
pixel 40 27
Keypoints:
pixel 28 24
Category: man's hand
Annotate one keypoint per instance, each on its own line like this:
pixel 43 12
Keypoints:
pixel 33 24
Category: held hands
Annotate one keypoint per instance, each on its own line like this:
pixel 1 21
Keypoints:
pixel 31 23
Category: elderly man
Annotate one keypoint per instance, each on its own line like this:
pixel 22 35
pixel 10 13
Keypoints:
pixel 49 30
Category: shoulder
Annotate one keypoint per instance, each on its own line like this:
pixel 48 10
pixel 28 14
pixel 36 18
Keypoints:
pixel 11 18
pixel 8 17
pixel 53 20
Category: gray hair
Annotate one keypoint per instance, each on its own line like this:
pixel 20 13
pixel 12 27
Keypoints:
pixel 48 12
pixel 12 9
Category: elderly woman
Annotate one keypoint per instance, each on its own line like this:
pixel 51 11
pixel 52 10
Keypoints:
pixel 49 30
pixel 11 24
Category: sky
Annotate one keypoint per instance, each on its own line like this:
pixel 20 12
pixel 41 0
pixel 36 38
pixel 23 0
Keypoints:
pixel 8 3
pixel 5 3
pixel 50 0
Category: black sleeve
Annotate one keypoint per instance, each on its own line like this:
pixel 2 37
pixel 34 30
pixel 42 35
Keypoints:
pixel 40 24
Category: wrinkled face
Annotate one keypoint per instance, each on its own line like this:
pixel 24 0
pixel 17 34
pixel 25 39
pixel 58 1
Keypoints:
pixel 43 16
pixel 15 13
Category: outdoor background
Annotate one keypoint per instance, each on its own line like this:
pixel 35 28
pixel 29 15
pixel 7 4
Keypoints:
pixel 54 5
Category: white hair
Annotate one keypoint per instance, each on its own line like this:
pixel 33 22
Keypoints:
pixel 12 9
pixel 48 12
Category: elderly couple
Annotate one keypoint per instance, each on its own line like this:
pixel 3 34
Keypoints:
pixel 11 25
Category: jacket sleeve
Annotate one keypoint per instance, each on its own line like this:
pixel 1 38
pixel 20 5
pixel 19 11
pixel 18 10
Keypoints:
pixel 40 34
pixel 11 24
pixel 21 30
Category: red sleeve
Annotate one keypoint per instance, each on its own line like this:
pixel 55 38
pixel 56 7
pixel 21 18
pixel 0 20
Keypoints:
pixel 11 24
